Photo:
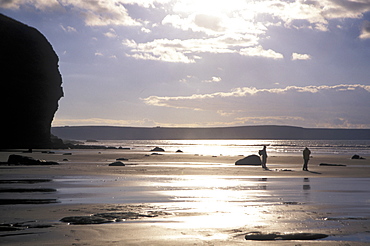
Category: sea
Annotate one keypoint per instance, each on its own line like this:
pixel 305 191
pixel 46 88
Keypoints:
pixel 242 147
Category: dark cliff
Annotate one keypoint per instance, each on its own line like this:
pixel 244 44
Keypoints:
pixel 30 86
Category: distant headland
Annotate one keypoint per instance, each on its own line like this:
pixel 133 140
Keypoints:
pixel 239 132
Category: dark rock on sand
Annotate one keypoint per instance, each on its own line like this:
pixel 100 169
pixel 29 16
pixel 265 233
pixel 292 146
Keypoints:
pixel 27 201
pixel 104 218
pixel 122 159
pixel 179 151
pixel 157 149
pixel 85 220
pixel 118 216
pixel 117 164
pixel 357 157
pixel 30 86
pixel 24 181
pixel 288 236
pixel 25 160
pixel 21 226
pixel 332 165
pixel 249 160
pixel 156 154
pixel 22 160
pixel 26 190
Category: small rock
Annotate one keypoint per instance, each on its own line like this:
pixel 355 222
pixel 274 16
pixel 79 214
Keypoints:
pixel 157 149
pixel 357 157
pixel 117 164
pixel 333 165
pixel 288 236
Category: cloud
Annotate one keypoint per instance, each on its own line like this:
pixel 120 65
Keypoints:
pixel 68 28
pixel 212 80
pixel 111 33
pixel 292 102
pixel 95 13
pixel 102 13
pixel 296 56
pixel 43 5
pixel 101 121
pixel 365 31
pixel 189 50
pixel 259 51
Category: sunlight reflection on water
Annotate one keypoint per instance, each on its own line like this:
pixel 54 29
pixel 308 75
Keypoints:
pixel 226 202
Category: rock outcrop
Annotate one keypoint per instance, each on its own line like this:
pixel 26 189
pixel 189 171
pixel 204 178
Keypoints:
pixel 254 160
pixel 30 86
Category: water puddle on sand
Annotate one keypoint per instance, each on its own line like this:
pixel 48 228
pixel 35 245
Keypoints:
pixel 222 202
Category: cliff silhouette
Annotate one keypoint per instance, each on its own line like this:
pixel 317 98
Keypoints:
pixel 30 86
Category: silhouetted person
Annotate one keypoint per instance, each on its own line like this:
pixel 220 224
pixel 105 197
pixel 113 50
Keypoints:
pixel 263 153
pixel 306 158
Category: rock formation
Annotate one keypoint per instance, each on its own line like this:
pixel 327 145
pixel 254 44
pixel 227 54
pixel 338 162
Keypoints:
pixel 249 160
pixel 30 86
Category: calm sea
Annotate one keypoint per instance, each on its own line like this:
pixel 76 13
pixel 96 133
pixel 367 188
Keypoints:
pixel 244 147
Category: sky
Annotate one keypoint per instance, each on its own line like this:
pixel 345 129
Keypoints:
pixel 207 63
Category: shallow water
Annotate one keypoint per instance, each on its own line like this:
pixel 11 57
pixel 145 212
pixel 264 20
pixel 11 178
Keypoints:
pixel 350 191
pixel 335 206
pixel 287 204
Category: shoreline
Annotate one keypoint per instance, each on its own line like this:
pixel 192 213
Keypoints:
pixel 195 199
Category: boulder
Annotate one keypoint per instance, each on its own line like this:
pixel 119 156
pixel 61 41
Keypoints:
pixel 357 157
pixel 253 160
pixel 117 164
pixel 30 86
pixel 22 160
pixel 26 160
pixel 157 149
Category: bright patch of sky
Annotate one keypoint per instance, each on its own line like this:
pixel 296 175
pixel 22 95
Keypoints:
pixel 207 63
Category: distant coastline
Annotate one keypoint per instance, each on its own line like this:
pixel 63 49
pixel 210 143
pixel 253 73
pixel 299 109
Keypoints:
pixel 238 132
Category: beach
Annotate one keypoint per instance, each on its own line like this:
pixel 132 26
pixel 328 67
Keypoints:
pixel 182 199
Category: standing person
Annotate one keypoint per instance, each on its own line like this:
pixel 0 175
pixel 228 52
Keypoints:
pixel 306 158
pixel 263 153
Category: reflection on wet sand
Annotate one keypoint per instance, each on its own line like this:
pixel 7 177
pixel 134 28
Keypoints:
pixel 268 204
pixel 226 205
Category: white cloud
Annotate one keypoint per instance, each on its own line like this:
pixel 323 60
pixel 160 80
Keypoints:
pixel 111 33
pixel 250 91
pixel 68 28
pixel 365 31
pixel 102 13
pixel 145 30
pixel 280 105
pixel 101 121
pixel 189 50
pixel 95 13
pixel 296 56
pixel 212 80
pixel 259 51
pixel 38 4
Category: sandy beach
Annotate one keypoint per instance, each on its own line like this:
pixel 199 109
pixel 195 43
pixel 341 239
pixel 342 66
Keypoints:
pixel 181 199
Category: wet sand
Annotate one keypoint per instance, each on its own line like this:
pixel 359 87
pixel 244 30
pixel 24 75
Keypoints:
pixel 182 199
